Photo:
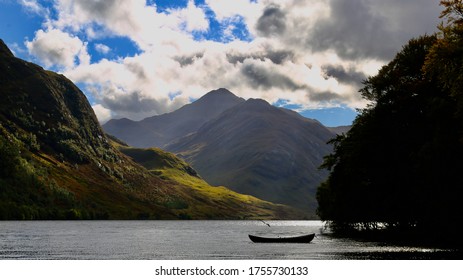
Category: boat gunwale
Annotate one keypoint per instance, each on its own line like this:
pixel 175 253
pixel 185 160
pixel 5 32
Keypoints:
pixel 305 238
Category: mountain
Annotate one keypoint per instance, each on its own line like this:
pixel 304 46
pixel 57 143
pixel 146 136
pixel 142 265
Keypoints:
pixel 261 150
pixel 340 129
pixel 56 162
pixel 212 202
pixel 157 131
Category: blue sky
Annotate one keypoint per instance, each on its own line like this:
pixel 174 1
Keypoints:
pixel 136 58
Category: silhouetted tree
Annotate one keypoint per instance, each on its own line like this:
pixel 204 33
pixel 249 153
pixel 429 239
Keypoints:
pixel 400 164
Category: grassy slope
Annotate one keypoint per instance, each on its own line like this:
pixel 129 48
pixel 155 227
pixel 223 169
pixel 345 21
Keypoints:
pixel 218 202
pixel 261 150
pixel 48 188
pixel 57 163
pixel 40 186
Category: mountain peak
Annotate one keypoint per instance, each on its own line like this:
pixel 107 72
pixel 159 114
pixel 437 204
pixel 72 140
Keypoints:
pixel 4 50
pixel 257 102
pixel 160 130
pixel 259 149
pixel 219 97
pixel 255 105
pixel 219 93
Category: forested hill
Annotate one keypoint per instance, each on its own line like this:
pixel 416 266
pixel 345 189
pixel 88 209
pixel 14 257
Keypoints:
pixel 399 166
pixel 57 163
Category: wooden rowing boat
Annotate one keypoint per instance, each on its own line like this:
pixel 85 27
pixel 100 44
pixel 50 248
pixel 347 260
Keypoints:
pixel 306 238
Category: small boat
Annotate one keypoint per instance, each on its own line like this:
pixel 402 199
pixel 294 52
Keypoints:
pixel 306 238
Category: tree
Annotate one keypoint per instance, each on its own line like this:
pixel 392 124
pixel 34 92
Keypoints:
pixel 398 165
pixel 453 11
pixel 445 58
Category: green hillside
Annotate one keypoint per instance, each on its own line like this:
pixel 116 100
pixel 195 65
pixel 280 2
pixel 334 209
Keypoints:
pixel 217 200
pixel 57 163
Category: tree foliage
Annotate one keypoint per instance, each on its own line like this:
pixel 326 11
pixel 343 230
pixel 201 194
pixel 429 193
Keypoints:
pixel 445 59
pixel 399 166
pixel 27 192
pixel 453 11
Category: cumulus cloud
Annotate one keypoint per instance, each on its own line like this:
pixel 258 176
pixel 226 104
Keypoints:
pixel 263 77
pixel 312 54
pixel 272 22
pixel 188 59
pixel 134 19
pixel 192 17
pixel 348 76
pixel 227 9
pixel 354 31
pixel 276 56
pixel 34 7
pixel 55 47
pixel 102 48
pixel 103 114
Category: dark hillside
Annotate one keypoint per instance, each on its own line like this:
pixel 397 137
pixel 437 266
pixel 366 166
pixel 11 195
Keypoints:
pixel 57 163
pixel 158 131
pixel 262 150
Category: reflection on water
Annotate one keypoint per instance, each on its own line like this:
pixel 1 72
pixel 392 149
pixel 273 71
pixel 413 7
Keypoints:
pixel 188 240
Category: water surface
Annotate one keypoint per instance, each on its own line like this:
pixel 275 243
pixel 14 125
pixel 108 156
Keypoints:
pixel 157 240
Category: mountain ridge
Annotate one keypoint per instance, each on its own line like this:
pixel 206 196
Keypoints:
pixel 157 131
pixel 56 162
pixel 262 150
pixel 4 50
pixel 252 147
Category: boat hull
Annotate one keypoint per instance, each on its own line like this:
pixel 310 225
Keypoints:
pixel 288 239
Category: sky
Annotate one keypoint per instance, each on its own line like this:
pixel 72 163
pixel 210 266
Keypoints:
pixel 135 58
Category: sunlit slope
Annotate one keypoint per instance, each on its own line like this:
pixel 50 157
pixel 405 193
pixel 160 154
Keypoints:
pixel 57 163
pixel 217 202
pixel 262 150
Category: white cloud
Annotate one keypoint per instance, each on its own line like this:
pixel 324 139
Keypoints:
pixel 230 11
pixel 192 16
pixel 226 9
pixel 134 19
pixel 33 6
pixel 55 47
pixel 102 113
pixel 312 54
pixel 102 48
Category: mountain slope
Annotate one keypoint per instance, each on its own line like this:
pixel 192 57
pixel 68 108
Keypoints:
pixel 50 133
pixel 217 201
pixel 262 150
pixel 340 129
pixel 57 163
pixel 158 131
